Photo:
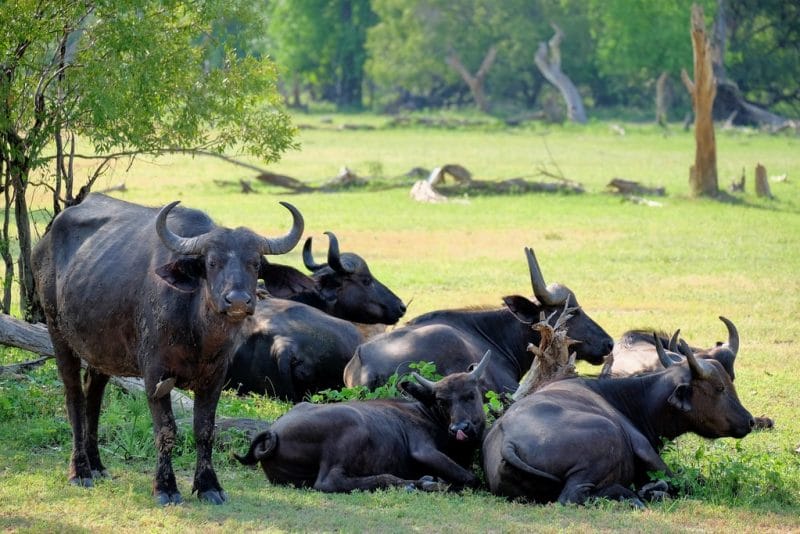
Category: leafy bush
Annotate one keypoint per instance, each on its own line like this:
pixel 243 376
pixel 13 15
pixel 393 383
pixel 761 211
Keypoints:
pixel 387 391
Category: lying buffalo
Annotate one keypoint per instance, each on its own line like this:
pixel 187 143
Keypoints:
pixel 290 350
pixel 575 439
pixel 342 287
pixel 454 339
pixel 293 348
pixel 133 297
pixel 635 352
pixel 378 443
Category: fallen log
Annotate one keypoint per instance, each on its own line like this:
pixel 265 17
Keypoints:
pixel 629 187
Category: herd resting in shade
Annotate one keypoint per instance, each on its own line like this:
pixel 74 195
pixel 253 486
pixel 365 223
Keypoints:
pixel 169 296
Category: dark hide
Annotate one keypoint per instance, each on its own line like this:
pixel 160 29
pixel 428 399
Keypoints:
pixel 635 352
pixel 117 297
pixel 291 350
pixel 379 443
pixel 576 439
pixel 453 339
pixel 343 287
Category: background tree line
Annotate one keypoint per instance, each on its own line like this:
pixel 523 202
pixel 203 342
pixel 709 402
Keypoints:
pixel 405 54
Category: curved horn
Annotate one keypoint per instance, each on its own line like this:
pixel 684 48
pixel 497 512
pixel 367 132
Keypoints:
pixel 282 245
pixel 478 370
pixel 540 290
pixel 665 359
pixel 308 258
pixel 673 341
pixel 334 259
pixel 174 242
pixel 427 384
pixel 733 335
pixel 697 370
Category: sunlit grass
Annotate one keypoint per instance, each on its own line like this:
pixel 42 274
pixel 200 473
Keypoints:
pixel 678 266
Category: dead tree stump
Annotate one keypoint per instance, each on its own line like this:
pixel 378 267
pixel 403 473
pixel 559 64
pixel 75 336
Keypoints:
pixel 762 184
pixel 703 174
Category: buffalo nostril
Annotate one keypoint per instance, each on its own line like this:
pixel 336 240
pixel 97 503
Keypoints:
pixel 458 426
pixel 238 297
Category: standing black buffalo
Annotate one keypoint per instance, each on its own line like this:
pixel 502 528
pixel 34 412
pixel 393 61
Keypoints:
pixel 291 349
pixel 365 445
pixel 131 298
pixel 578 438
pixel 454 339
pixel 635 352
pixel 343 287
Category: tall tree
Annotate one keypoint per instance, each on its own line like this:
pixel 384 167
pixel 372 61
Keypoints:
pixel 320 44
pixel 126 77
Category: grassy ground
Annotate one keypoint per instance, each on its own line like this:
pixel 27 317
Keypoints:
pixel 677 266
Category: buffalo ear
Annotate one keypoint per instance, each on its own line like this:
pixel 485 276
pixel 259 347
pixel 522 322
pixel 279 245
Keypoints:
pixel 183 274
pixel 283 281
pixel 523 309
pixel 681 398
pixel 420 393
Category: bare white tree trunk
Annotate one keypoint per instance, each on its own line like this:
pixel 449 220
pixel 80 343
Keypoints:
pixel 551 70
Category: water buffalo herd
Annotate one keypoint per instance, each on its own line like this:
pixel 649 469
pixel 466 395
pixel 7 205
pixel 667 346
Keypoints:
pixel 168 296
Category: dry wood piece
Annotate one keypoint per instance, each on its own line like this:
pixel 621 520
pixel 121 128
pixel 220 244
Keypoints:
pixel 629 187
pixel 459 173
pixel 703 90
pixel 281 180
pixel 553 360
pixel 738 186
pixel 762 184
pixel 345 178
pixel 423 191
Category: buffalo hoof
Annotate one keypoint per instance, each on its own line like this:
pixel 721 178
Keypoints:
pixel 97 475
pixel 85 482
pixel 213 496
pixel 428 483
pixel 164 498
pixel 654 491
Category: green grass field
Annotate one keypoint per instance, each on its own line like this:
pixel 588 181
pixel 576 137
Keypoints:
pixel 680 265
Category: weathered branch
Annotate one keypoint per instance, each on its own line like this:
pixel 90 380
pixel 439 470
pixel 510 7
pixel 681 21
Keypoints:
pixel 552 357
pixel 551 70
pixel 475 83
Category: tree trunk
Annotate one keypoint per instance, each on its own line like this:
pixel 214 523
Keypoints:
pixel 551 69
pixel 5 240
pixel 663 99
pixel 762 184
pixel 475 83
pixel 703 174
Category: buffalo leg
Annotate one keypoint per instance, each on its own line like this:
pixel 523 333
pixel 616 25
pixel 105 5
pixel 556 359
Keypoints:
pixel 205 479
pixel 94 384
pixel 576 492
pixel 165 488
pixel 69 368
pixel 443 465
pixel 335 480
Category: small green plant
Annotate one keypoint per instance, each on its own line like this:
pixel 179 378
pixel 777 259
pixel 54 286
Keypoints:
pixel 387 391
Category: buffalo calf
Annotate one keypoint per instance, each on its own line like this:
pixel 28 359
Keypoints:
pixel 365 445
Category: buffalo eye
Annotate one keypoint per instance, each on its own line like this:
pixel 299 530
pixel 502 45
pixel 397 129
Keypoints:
pixel 469 397
pixel 720 389
pixel 366 280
